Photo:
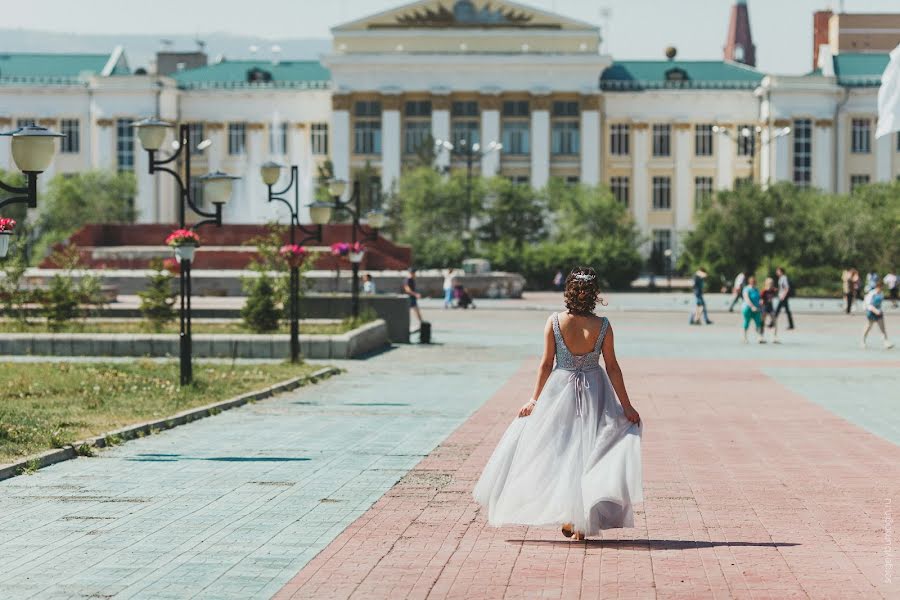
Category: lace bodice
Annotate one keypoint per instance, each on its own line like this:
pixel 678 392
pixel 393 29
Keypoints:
pixel 566 360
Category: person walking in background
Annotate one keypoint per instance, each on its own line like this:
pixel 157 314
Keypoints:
pixel 449 284
pixel 847 289
pixel 785 291
pixel 700 303
pixel 751 309
pixel 855 283
pixel 558 280
pixel 890 283
pixel 737 290
pixel 767 299
pixel 368 284
pixel 874 314
pixel 871 280
pixel 409 288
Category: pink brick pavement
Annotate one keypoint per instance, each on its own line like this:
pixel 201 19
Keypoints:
pixel 751 491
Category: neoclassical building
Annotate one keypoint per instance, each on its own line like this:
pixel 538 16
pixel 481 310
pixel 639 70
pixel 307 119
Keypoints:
pixel 661 133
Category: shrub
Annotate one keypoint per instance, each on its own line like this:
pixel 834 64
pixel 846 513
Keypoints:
pixel 260 312
pixel 59 302
pixel 158 299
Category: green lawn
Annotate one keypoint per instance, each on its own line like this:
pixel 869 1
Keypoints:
pixel 51 404
pixel 139 326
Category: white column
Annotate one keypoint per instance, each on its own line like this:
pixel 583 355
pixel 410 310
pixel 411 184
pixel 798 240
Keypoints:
pixel 822 155
pixel 219 145
pixel 440 130
pixel 490 132
pixel 6 162
pixel 340 143
pixel 590 147
pixel 843 145
pixel 726 150
pixel 390 148
pixel 299 152
pixel 640 190
pixel 782 156
pixel 684 184
pixel 883 154
pixel 106 156
pixel 148 208
pixel 540 147
pixel 248 204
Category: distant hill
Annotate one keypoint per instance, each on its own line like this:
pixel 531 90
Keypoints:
pixel 141 49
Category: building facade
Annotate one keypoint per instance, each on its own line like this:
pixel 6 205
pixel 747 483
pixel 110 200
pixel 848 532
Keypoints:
pixel 662 134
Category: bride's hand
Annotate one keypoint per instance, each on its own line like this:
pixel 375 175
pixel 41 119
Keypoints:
pixel 526 409
pixel 631 414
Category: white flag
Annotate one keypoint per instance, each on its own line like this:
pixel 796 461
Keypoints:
pixel 889 97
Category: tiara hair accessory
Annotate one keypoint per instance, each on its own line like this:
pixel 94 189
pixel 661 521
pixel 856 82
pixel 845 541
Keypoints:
pixel 584 277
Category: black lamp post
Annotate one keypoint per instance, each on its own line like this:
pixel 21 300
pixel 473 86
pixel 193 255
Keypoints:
pixel 319 213
pixel 375 220
pixel 754 133
pixel 217 187
pixel 32 150
pixel 470 153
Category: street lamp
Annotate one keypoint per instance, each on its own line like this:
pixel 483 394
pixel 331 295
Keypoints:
pixel 33 148
pixel 755 132
pixel 668 254
pixel 319 212
pixel 375 220
pixel 217 187
pixel 470 153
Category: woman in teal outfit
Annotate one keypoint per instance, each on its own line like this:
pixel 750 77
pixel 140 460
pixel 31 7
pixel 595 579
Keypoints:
pixel 752 309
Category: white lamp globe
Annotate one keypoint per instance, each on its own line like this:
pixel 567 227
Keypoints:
pixel 337 187
pixel 33 148
pixel 217 187
pixel 376 219
pixel 320 212
pixel 152 132
pixel 270 172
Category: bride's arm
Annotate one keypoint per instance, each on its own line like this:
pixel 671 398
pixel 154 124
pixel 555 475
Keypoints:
pixel 544 368
pixel 615 375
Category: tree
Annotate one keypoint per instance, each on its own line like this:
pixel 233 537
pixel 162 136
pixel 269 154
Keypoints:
pixel 515 213
pixel 158 299
pixel 260 312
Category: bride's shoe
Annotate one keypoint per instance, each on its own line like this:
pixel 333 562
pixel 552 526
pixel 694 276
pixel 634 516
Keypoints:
pixel 568 529
pixel 579 536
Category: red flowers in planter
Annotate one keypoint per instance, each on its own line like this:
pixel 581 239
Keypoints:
pixel 183 237
pixel 172 266
pixel 340 249
pixel 7 225
pixel 294 254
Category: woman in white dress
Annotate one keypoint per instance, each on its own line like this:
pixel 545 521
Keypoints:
pixel 572 456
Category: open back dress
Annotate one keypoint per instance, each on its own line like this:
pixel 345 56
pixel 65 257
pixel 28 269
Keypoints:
pixel 576 459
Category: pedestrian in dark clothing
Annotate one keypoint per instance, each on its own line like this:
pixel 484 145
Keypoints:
pixel 785 291
pixel 699 302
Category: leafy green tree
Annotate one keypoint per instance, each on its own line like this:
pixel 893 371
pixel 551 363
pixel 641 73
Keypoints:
pixel 513 213
pixel 158 299
pixel 13 292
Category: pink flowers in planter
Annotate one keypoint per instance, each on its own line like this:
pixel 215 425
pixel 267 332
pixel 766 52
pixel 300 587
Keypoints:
pixel 294 254
pixel 7 225
pixel 183 237
pixel 353 251
pixel 340 249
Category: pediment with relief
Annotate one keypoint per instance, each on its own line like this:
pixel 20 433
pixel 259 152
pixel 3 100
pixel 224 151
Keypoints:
pixel 464 14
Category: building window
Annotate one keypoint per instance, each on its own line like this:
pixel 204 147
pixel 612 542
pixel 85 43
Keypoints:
pixel 519 179
pixel 662 241
pixel 516 134
pixel 703 140
pixel 197 191
pixel 318 137
pixel 662 140
pixel 802 152
pixel 619 139
pixel 417 125
pixel 195 133
pixel 367 127
pixel 20 123
pixel 465 128
pixel 662 193
pixel 125 144
pixel 237 138
pixel 516 138
pixel 746 144
pixel 564 138
pixel 861 136
pixel 572 180
pixel 858 180
pixel 703 191
pixel 71 144
pixel 619 187
pixel 278 138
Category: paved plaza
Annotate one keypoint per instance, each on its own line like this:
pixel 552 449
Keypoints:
pixel 769 472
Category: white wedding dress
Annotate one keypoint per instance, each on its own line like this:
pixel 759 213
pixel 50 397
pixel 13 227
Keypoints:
pixel 576 459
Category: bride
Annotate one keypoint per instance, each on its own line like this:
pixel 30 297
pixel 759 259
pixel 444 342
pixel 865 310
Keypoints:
pixel 572 456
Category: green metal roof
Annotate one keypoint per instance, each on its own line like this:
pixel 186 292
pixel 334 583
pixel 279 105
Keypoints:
pixel 860 70
pixel 54 68
pixel 308 74
pixel 679 74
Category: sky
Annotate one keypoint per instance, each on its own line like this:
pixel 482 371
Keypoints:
pixel 635 29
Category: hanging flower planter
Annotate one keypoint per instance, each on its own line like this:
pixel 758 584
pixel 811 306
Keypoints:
pixel 356 253
pixel 184 242
pixel 340 249
pixel 7 226
pixel 293 254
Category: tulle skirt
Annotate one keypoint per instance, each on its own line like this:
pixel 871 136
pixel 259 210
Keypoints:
pixel 557 466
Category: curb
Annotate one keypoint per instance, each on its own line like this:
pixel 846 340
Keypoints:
pixel 86 447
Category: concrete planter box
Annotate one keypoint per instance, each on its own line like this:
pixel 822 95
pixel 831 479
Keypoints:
pixel 363 340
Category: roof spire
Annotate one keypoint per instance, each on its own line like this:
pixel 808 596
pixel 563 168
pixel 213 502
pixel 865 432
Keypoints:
pixel 739 43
